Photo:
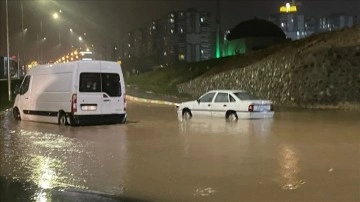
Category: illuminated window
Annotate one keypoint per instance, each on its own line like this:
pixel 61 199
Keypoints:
pixel 172 31
pixel 129 45
pixel 165 53
pixel 201 19
pixel 282 24
pixel 154 27
pixel 172 15
pixel 181 30
pixel 292 19
pixel 172 20
pixel 202 51
pixel 129 56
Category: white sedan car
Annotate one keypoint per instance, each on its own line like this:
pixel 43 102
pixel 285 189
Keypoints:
pixel 230 104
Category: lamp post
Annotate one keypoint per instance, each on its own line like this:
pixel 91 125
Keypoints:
pixel 22 37
pixel 8 51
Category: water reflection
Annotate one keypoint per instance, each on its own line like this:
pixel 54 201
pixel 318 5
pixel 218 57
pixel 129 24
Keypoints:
pixel 46 159
pixel 289 168
pixel 218 126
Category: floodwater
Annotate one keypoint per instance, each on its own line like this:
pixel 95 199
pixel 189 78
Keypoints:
pixel 296 156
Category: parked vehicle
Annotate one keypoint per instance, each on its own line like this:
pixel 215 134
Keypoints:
pixel 229 104
pixel 75 93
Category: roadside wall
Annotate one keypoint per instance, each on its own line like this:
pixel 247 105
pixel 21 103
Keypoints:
pixel 320 72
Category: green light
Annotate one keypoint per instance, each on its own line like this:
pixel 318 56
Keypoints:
pixel 218 49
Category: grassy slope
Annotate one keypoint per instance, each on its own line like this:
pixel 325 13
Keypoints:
pixel 164 81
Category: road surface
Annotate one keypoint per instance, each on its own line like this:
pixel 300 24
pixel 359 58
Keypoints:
pixel 296 156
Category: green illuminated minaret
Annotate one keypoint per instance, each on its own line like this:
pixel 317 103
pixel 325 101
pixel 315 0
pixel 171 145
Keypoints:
pixel 218 48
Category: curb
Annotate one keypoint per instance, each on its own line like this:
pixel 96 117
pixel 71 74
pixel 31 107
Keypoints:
pixel 137 99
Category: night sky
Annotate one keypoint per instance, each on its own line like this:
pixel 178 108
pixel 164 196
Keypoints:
pixel 110 20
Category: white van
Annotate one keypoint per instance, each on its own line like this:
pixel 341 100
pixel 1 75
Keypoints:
pixel 75 93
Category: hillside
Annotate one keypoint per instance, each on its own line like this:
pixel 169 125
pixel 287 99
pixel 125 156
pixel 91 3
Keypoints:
pixel 323 69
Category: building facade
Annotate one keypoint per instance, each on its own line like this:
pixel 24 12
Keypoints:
pixel 297 26
pixel 178 37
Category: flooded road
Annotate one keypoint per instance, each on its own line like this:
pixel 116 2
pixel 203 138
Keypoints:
pixel 297 156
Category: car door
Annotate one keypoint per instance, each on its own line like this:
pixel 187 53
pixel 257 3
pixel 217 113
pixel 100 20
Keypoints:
pixel 220 105
pixel 203 105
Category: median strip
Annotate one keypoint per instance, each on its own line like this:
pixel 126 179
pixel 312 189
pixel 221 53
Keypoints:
pixel 137 99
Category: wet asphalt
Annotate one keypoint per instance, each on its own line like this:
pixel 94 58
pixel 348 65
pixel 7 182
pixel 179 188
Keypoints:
pixel 299 155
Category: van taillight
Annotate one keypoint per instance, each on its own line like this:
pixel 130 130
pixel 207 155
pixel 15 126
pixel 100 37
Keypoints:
pixel 124 102
pixel 73 103
pixel 251 108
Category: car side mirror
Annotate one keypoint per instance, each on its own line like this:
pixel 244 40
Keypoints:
pixel 198 101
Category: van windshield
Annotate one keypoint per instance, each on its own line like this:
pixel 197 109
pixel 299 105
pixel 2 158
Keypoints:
pixel 108 83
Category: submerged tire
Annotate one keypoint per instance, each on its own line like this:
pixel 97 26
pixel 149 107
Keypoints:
pixel 231 116
pixel 16 114
pixel 123 120
pixel 186 114
pixel 62 119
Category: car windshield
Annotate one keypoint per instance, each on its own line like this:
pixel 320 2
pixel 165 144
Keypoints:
pixel 245 96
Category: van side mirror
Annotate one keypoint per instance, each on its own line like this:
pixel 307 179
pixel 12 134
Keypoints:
pixel 16 89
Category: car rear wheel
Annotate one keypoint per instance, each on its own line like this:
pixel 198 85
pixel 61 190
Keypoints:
pixel 16 114
pixel 62 119
pixel 232 116
pixel 186 114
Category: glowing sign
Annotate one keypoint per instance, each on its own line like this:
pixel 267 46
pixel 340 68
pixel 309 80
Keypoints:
pixel 288 8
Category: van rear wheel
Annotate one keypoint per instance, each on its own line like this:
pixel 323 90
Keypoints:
pixel 62 119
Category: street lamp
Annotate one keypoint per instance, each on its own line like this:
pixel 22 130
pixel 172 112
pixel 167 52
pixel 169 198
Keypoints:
pixel 56 15
pixel 8 50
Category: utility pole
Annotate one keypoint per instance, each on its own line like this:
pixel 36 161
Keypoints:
pixel 8 50
pixel 23 37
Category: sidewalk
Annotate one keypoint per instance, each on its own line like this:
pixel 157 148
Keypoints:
pixel 135 94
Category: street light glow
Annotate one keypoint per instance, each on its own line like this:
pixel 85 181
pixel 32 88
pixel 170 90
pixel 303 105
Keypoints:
pixel 55 15
pixel 80 38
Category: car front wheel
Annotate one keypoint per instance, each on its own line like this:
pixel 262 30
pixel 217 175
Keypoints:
pixel 186 114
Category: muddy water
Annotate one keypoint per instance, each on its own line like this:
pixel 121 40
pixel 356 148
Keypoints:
pixel 297 156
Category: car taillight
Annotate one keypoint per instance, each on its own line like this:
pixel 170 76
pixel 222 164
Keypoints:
pixel 73 103
pixel 124 102
pixel 251 108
